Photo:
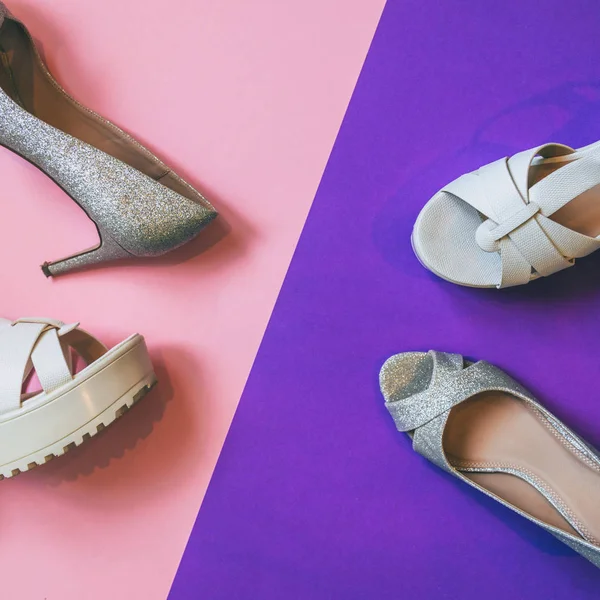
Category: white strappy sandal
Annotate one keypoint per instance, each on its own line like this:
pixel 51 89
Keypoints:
pixel 515 219
pixel 72 407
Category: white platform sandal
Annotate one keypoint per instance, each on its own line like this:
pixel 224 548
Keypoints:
pixel 72 407
pixel 515 219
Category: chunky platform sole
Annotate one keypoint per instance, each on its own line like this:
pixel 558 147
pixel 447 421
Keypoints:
pixel 58 422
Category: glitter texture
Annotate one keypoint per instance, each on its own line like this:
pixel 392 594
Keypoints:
pixel 450 385
pixel 135 214
pixel 421 389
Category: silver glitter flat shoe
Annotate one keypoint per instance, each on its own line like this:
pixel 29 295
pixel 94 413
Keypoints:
pixel 140 207
pixel 481 426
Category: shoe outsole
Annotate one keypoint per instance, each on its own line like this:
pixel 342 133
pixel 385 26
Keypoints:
pixel 83 434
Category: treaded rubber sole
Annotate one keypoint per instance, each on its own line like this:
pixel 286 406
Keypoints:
pixel 83 434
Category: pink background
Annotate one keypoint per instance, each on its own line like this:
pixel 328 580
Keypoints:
pixel 245 99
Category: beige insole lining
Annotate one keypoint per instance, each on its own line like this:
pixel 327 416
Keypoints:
pixel 498 432
pixel 25 81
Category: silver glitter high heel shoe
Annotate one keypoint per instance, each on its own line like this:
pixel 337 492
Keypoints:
pixel 481 426
pixel 140 207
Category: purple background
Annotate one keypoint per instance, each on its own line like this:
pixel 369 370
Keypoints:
pixel 315 494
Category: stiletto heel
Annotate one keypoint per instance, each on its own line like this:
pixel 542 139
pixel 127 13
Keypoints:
pixel 107 250
pixel 140 206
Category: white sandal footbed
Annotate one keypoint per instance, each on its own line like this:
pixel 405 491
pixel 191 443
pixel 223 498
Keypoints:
pixel 514 220
pixel 73 406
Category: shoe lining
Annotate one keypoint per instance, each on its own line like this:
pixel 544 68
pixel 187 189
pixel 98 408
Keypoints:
pixel 511 449
pixel 26 82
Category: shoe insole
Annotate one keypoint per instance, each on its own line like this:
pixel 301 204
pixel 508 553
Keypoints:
pixel 493 433
pixel 582 214
pixel 26 82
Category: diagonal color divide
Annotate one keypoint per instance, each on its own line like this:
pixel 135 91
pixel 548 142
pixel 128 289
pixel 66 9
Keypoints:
pixel 246 99
pixel 315 494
